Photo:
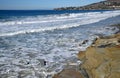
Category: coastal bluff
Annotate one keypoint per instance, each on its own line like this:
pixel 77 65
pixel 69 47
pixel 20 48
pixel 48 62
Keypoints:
pixel 100 60
pixel 103 5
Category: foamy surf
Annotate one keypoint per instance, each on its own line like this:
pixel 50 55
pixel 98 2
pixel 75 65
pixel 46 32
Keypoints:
pixel 40 23
pixel 40 46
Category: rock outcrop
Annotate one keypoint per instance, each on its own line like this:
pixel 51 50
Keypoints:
pixel 100 60
pixel 69 73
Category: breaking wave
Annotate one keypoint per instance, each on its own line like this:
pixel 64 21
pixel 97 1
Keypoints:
pixel 51 22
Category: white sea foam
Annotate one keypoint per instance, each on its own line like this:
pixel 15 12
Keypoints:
pixel 38 24
pixel 22 53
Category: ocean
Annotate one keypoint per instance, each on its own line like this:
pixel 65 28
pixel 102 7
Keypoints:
pixel 39 43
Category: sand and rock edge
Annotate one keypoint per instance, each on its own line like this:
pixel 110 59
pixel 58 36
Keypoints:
pixel 100 60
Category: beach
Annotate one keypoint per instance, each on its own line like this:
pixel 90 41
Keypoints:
pixel 43 43
pixel 100 60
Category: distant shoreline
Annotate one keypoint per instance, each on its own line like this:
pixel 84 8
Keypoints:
pixel 103 5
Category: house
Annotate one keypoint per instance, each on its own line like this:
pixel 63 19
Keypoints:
pixel 118 1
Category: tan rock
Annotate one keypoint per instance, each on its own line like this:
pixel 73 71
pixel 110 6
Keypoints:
pixel 99 61
pixel 69 73
pixel 103 60
pixel 81 55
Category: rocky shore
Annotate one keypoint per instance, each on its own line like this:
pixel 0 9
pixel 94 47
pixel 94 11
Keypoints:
pixel 100 60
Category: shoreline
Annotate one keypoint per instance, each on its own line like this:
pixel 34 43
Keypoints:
pixel 93 65
pixel 102 5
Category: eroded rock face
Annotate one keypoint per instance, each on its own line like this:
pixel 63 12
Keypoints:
pixel 100 60
pixel 103 59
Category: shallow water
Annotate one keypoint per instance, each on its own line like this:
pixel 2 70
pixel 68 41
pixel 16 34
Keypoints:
pixel 35 47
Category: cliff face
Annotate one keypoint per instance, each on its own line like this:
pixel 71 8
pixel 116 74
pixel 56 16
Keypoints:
pixel 103 5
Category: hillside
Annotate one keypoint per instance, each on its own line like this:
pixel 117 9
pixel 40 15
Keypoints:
pixel 103 5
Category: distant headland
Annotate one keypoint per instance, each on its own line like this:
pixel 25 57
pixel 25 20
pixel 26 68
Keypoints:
pixel 103 5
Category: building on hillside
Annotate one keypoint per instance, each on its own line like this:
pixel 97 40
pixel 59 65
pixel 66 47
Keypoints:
pixel 114 1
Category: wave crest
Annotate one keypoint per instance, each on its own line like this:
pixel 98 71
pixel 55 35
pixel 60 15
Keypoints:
pixel 52 22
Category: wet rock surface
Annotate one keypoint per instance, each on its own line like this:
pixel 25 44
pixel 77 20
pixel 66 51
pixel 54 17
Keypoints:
pixel 69 73
pixel 100 60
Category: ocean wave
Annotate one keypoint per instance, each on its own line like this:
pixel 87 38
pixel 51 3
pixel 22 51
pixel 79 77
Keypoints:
pixel 55 18
pixel 57 49
pixel 52 22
